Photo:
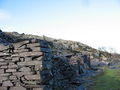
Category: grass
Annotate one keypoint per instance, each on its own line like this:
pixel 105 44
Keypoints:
pixel 110 80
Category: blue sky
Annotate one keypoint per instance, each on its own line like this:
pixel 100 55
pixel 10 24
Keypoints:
pixel 93 22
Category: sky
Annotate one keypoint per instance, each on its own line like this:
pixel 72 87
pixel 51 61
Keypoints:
pixel 92 22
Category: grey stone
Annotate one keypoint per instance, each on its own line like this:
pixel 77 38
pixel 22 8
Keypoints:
pixel 22 73
pixel 13 66
pixel 11 70
pixel 18 88
pixel 7 83
pixel 17 45
pixel 4 54
pixel 40 88
pixel 25 69
pixel 30 54
pixel 33 77
pixel 21 50
pixel 3 88
pixel 38 67
pixel 13 78
pixel 3 67
pixel 2 78
pixel 29 63
pixel 33 45
pixel 1 71
pixel 3 63
pixel 34 63
pixel 14 59
pixel 36 49
pixel 1 60
pixel 5 74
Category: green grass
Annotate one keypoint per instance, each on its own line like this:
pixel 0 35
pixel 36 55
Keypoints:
pixel 109 80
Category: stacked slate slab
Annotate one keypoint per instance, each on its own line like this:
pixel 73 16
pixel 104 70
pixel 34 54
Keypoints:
pixel 27 68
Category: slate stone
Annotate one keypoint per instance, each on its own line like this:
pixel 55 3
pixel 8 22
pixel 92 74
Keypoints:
pixel 18 88
pixel 7 83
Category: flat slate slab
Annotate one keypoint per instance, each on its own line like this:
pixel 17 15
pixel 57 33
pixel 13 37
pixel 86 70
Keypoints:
pixel 17 45
pixel 18 88
pixel 32 77
pixel 4 54
pixel 3 47
pixel 27 54
pixel 3 88
pixel 34 45
pixel 7 83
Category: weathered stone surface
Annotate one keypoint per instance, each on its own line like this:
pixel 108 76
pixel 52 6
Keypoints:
pixel 2 47
pixel 22 73
pixel 17 45
pixel 38 67
pixel 2 71
pixel 32 45
pixel 5 74
pixel 3 78
pixel 21 50
pixel 36 49
pixel 28 59
pixel 15 58
pixel 7 83
pixel 13 78
pixel 25 69
pixel 4 54
pixel 11 63
pixel 3 67
pixel 37 57
pixel 29 63
pixel 8 58
pixel 13 66
pixel 17 84
pixel 21 63
pixel 40 88
pixel 3 88
pixel 27 54
pixel 18 88
pixel 3 63
pixel 34 63
pixel 1 59
pixel 32 77
pixel 11 70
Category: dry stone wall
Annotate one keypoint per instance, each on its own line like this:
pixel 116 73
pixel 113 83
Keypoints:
pixel 34 65
pixel 27 68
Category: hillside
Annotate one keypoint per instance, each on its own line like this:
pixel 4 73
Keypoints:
pixel 61 46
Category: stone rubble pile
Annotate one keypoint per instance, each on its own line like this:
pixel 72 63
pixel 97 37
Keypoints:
pixel 68 71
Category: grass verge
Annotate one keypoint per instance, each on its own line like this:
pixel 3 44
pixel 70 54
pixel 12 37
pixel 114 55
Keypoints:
pixel 109 80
